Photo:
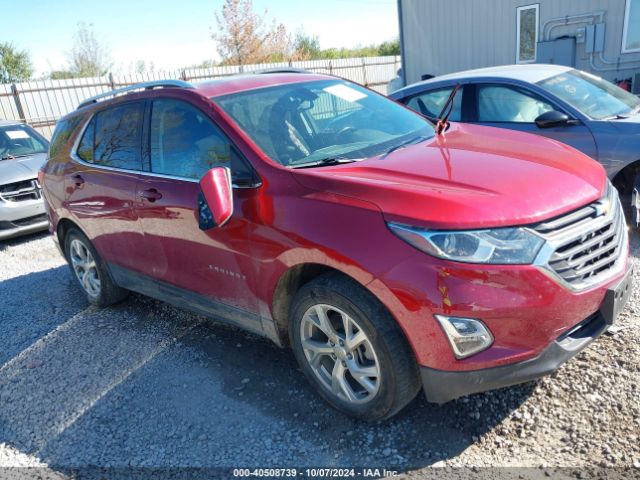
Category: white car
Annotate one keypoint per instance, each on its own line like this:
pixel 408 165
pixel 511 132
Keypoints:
pixel 22 152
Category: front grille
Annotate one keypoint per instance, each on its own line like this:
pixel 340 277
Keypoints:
pixel 20 191
pixel 587 243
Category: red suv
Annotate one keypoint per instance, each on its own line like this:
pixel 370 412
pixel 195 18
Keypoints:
pixel 322 215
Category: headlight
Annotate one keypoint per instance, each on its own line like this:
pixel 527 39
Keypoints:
pixel 515 246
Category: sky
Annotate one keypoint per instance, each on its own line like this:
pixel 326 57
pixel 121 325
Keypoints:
pixel 174 34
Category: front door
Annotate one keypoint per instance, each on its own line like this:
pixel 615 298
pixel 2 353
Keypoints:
pixel 505 106
pixel 184 143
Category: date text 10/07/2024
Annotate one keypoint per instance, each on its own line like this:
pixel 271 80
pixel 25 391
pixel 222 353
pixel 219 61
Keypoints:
pixel 315 472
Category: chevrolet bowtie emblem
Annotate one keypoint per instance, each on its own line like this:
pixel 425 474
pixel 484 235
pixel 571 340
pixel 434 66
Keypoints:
pixel 602 207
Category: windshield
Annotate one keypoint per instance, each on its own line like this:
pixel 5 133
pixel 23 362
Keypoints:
pixel 303 123
pixel 20 141
pixel 593 96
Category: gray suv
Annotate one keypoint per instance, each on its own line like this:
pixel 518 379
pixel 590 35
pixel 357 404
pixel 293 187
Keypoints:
pixel 22 152
pixel 558 102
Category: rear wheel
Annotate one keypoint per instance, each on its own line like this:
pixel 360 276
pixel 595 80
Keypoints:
pixel 351 349
pixel 90 271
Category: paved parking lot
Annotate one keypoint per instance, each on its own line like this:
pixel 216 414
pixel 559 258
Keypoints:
pixel 145 384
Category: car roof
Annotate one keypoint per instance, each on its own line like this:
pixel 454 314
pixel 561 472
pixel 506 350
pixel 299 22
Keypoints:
pixel 241 83
pixel 6 123
pixel 213 88
pixel 532 73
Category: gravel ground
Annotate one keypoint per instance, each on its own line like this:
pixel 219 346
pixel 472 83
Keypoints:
pixel 144 384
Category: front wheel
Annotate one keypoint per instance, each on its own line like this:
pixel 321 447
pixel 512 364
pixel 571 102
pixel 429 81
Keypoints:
pixel 351 349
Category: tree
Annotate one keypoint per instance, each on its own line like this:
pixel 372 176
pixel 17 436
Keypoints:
pixel 203 64
pixel 389 48
pixel 306 47
pixel 244 38
pixel 88 57
pixel 61 74
pixel 15 65
pixel 141 66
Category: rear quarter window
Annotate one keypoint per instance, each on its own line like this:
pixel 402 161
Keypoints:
pixel 85 147
pixel 62 135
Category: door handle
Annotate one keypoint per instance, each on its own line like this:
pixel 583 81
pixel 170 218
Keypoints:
pixel 151 194
pixel 78 180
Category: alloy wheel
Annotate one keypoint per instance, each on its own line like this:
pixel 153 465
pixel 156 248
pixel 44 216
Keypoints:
pixel 85 268
pixel 340 354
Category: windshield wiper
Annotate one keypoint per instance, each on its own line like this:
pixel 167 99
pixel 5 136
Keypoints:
pixel 325 162
pixel 443 119
pixel 406 143
pixel 11 157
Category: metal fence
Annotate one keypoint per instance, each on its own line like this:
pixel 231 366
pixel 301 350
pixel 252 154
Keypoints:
pixel 42 102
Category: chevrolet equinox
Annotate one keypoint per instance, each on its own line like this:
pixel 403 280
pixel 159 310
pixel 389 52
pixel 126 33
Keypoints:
pixel 389 253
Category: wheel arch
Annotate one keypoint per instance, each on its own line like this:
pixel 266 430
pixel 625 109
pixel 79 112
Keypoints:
pixel 62 228
pixel 292 279
pixel 624 178
pixel 296 276
pixel 286 287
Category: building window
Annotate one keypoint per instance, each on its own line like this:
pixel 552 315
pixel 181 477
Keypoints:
pixel 631 35
pixel 527 33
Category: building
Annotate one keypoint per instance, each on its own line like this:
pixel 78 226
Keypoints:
pixel 598 36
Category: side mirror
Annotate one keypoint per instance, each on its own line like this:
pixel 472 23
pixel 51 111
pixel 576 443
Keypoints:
pixel 215 201
pixel 553 119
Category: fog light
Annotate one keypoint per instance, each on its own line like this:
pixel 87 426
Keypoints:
pixel 467 336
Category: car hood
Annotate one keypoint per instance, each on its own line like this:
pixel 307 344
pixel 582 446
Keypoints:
pixel 472 177
pixel 23 168
pixel 628 125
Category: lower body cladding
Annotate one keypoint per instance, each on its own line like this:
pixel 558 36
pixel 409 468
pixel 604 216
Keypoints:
pixel 442 386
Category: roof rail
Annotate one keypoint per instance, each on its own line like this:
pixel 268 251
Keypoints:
pixel 282 70
pixel 136 86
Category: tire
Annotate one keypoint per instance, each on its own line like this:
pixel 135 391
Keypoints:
pixel 626 186
pixel 629 212
pixel 339 372
pixel 95 281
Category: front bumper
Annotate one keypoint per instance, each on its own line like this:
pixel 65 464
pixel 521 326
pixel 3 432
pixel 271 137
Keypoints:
pixel 22 218
pixel 442 386
pixel 14 229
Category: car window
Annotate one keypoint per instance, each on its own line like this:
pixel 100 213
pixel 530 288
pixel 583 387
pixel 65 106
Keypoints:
pixel 498 103
pixel 20 141
pixel 62 133
pixel 327 107
pixel 593 96
pixel 432 103
pixel 117 136
pixel 186 143
pixel 85 147
pixel 311 121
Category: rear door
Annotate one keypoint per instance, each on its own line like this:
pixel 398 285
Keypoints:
pixel 101 183
pixel 516 108
pixel 183 144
